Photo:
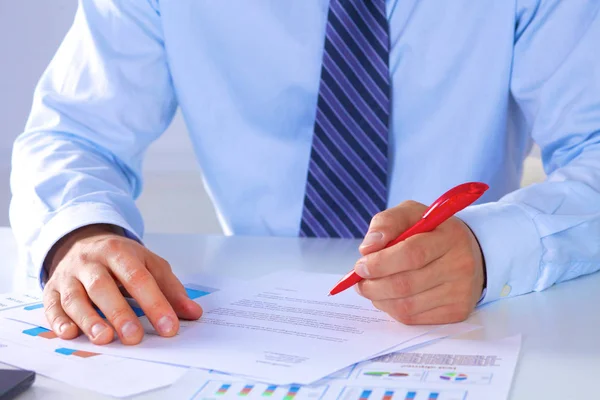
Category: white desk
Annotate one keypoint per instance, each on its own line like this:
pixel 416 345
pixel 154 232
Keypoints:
pixel 560 358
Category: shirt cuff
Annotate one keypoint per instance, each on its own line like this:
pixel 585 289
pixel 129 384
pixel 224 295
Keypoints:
pixel 511 247
pixel 70 219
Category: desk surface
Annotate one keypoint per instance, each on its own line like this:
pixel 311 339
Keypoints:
pixel 560 357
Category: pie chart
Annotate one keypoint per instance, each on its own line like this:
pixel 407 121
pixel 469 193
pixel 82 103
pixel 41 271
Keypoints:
pixel 454 376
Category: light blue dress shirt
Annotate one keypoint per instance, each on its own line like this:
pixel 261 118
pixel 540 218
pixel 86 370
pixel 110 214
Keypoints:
pixel 473 84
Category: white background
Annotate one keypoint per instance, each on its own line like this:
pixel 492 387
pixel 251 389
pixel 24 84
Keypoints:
pixel 174 199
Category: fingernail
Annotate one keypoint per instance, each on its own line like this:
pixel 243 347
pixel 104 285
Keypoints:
pixel 165 324
pixel 361 268
pixel 63 327
pixel 98 329
pixel 129 329
pixel 371 239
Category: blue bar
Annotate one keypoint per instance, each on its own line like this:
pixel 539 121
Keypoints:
pixel 365 394
pixel 433 396
pixel 35 331
pixel 410 396
pixel 138 311
pixel 65 351
pixel 195 293
pixel 294 389
pixel 34 306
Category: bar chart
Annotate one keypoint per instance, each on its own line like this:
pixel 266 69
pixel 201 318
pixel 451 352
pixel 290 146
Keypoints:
pixel 40 332
pixel 378 393
pixel 223 390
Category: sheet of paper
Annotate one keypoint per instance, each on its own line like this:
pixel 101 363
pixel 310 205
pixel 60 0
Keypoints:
pixel 113 376
pixel 15 300
pixel 447 370
pixel 282 328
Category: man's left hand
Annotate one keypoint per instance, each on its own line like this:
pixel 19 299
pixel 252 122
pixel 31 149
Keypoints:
pixel 430 278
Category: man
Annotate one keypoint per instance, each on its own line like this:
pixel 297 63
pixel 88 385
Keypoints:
pixel 309 118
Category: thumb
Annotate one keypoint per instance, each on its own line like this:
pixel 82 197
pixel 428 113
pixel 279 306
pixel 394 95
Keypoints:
pixel 389 224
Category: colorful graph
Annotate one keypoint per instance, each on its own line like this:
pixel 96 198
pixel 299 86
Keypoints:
pixel 246 390
pixel 453 376
pixel 76 353
pixel 33 306
pixel 40 332
pixel 460 377
pixel 404 375
pixel 378 393
pixel 365 394
pixel 269 391
pixel 292 392
pixel 224 390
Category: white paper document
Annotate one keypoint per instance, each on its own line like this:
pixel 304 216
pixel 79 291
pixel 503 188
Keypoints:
pixel 448 370
pixel 15 300
pixel 113 376
pixel 281 329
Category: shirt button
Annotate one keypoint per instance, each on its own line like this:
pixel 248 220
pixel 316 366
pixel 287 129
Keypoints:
pixel 505 291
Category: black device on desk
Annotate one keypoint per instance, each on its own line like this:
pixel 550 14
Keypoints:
pixel 13 382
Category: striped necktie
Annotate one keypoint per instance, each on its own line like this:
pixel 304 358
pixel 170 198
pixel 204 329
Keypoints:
pixel 347 173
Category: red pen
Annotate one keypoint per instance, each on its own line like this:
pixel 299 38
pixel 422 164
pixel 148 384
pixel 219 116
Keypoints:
pixel 443 208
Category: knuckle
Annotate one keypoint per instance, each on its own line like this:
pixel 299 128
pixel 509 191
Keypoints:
pixel 163 263
pixel 113 244
pixel 119 314
pixel 415 254
pixel 405 307
pixel 98 282
pixel 409 204
pixel 374 261
pixel 403 285
pixel 381 218
pixel 83 257
pixel 136 277
pixel 51 306
pixel 69 298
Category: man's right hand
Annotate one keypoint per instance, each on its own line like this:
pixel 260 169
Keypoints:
pixel 87 267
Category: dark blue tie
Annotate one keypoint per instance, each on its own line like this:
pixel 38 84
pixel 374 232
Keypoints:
pixel 347 173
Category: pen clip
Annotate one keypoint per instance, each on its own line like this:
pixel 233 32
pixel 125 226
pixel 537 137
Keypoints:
pixel 463 194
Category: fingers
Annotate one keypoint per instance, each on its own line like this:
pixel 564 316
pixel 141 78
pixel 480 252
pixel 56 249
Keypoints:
pixel 447 314
pixel 172 288
pixel 104 293
pixel 388 224
pixel 403 284
pixel 404 308
pixel 76 304
pixel 139 282
pixel 411 254
pixel 59 321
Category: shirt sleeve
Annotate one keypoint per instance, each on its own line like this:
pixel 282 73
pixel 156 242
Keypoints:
pixel 549 232
pixel 106 95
